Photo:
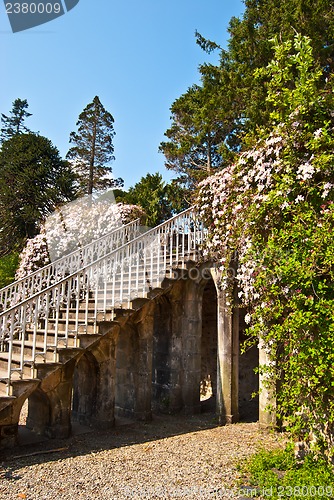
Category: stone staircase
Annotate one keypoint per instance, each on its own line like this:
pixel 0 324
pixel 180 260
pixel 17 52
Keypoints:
pixel 50 319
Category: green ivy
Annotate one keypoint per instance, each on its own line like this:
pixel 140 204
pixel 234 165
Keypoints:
pixel 275 207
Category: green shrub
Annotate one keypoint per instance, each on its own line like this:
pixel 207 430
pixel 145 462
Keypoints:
pixel 8 266
pixel 278 475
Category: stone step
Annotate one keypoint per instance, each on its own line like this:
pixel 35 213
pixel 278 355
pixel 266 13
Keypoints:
pixel 134 283
pixel 72 314
pixel 154 275
pixel 69 340
pixel 4 385
pixel 86 341
pixel 18 386
pixel 40 354
pixel 6 394
pixel 138 303
pixel 122 312
pixel 69 326
pixel 5 400
pixel 124 290
pixel 25 372
pixel 42 362
pixel 105 303
pixel 18 390
pixel 53 353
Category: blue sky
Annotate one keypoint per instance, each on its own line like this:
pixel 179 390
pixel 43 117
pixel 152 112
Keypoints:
pixel 138 57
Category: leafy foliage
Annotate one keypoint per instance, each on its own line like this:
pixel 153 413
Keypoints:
pixel 93 149
pixel 250 48
pixel 274 207
pixel 8 265
pixel 158 199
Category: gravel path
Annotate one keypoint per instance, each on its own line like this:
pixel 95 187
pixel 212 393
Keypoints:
pixel 171 457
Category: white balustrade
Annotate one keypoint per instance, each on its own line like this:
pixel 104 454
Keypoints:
pixel 35 330
pixel 57 270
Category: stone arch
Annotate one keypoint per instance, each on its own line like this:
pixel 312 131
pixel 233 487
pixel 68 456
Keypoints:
pixel 197 340
pixel 181 359
pixel 85 386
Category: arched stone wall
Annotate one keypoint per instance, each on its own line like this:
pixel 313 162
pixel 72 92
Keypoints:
pixel 158 357
pixel 184 348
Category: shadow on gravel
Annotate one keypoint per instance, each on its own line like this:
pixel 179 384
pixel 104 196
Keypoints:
pixel 86 440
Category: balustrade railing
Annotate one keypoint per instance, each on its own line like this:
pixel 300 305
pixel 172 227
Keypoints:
pixel 34 330
pixel 48 275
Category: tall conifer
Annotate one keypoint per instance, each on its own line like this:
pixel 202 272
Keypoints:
pixel 93 148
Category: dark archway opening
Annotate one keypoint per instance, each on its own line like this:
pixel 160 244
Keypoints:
pixel 248 379
pixel 208 384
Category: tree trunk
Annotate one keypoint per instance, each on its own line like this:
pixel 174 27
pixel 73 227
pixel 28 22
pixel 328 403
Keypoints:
pixel 91 162
pixel 209 159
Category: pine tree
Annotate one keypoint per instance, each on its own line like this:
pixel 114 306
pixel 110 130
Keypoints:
pixel 14 124
pixel 93 149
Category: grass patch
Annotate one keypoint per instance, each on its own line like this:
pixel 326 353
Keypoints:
pixel 277 475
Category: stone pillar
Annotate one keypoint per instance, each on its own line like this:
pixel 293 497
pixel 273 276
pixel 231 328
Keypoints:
pixel 228 358
pixel 191 357
pixel 175 402
pixel 126 368
pixel 267 417
pixel 184 356
pixel 143 382
pixel 162 344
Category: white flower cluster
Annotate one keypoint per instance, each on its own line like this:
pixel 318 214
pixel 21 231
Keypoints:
pixel 34 256
pixel 72 227
pixel 305 171
pixel 236 198
pixel 328 186
pixel 224 196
